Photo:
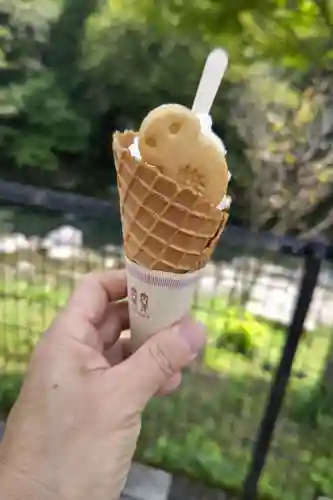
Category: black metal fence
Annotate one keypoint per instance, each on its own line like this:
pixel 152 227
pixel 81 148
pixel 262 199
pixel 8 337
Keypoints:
pixel 255 416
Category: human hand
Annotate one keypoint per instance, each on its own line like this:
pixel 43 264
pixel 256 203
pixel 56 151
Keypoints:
pixel 73 430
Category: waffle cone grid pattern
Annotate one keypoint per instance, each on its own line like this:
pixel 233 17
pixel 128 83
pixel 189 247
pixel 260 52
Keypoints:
pixel 166 226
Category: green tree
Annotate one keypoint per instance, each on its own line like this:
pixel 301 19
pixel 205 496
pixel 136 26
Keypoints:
pixel 291 33
pixel 287 133
pixel 39 117
pixel 76 70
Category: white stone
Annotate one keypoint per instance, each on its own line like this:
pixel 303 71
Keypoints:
pixel 63 236
pixel 145 483
pixel 64 253
pixel 13 243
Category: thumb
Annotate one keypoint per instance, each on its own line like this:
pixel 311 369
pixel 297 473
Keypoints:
pixel 162 356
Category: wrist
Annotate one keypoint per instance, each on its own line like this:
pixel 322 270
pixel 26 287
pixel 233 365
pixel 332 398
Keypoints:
pixel 16 485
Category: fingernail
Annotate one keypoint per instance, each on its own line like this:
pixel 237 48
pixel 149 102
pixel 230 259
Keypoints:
pixel 194 333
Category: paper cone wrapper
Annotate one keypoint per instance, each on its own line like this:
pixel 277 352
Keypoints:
pixel 157 299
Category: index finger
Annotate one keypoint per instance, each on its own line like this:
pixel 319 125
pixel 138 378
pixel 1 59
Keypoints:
pixel 95 291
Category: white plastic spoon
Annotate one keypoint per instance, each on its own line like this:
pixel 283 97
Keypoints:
pixel 213 72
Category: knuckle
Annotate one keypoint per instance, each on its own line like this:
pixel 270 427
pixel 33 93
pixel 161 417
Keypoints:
pixel 90 277
pixel 162 359
pixel 85 283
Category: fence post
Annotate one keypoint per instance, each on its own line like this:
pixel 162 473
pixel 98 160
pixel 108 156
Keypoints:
pixel 312 262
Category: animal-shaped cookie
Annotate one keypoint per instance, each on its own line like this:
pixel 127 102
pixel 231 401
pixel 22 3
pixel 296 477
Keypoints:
pixel 170 138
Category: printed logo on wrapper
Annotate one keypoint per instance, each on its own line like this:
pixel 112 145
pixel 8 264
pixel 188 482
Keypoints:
pixel 157 299
pixel 144 299
pixel 144 305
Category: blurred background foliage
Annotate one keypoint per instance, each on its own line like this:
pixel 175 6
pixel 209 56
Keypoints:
pixel 72 71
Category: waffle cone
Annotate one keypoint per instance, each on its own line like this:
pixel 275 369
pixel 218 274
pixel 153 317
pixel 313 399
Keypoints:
pixel 166 226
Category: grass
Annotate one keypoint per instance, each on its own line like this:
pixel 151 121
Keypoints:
pixel 207 428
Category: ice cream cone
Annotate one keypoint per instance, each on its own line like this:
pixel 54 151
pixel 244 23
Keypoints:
pixel 169 232
pixel 166 226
